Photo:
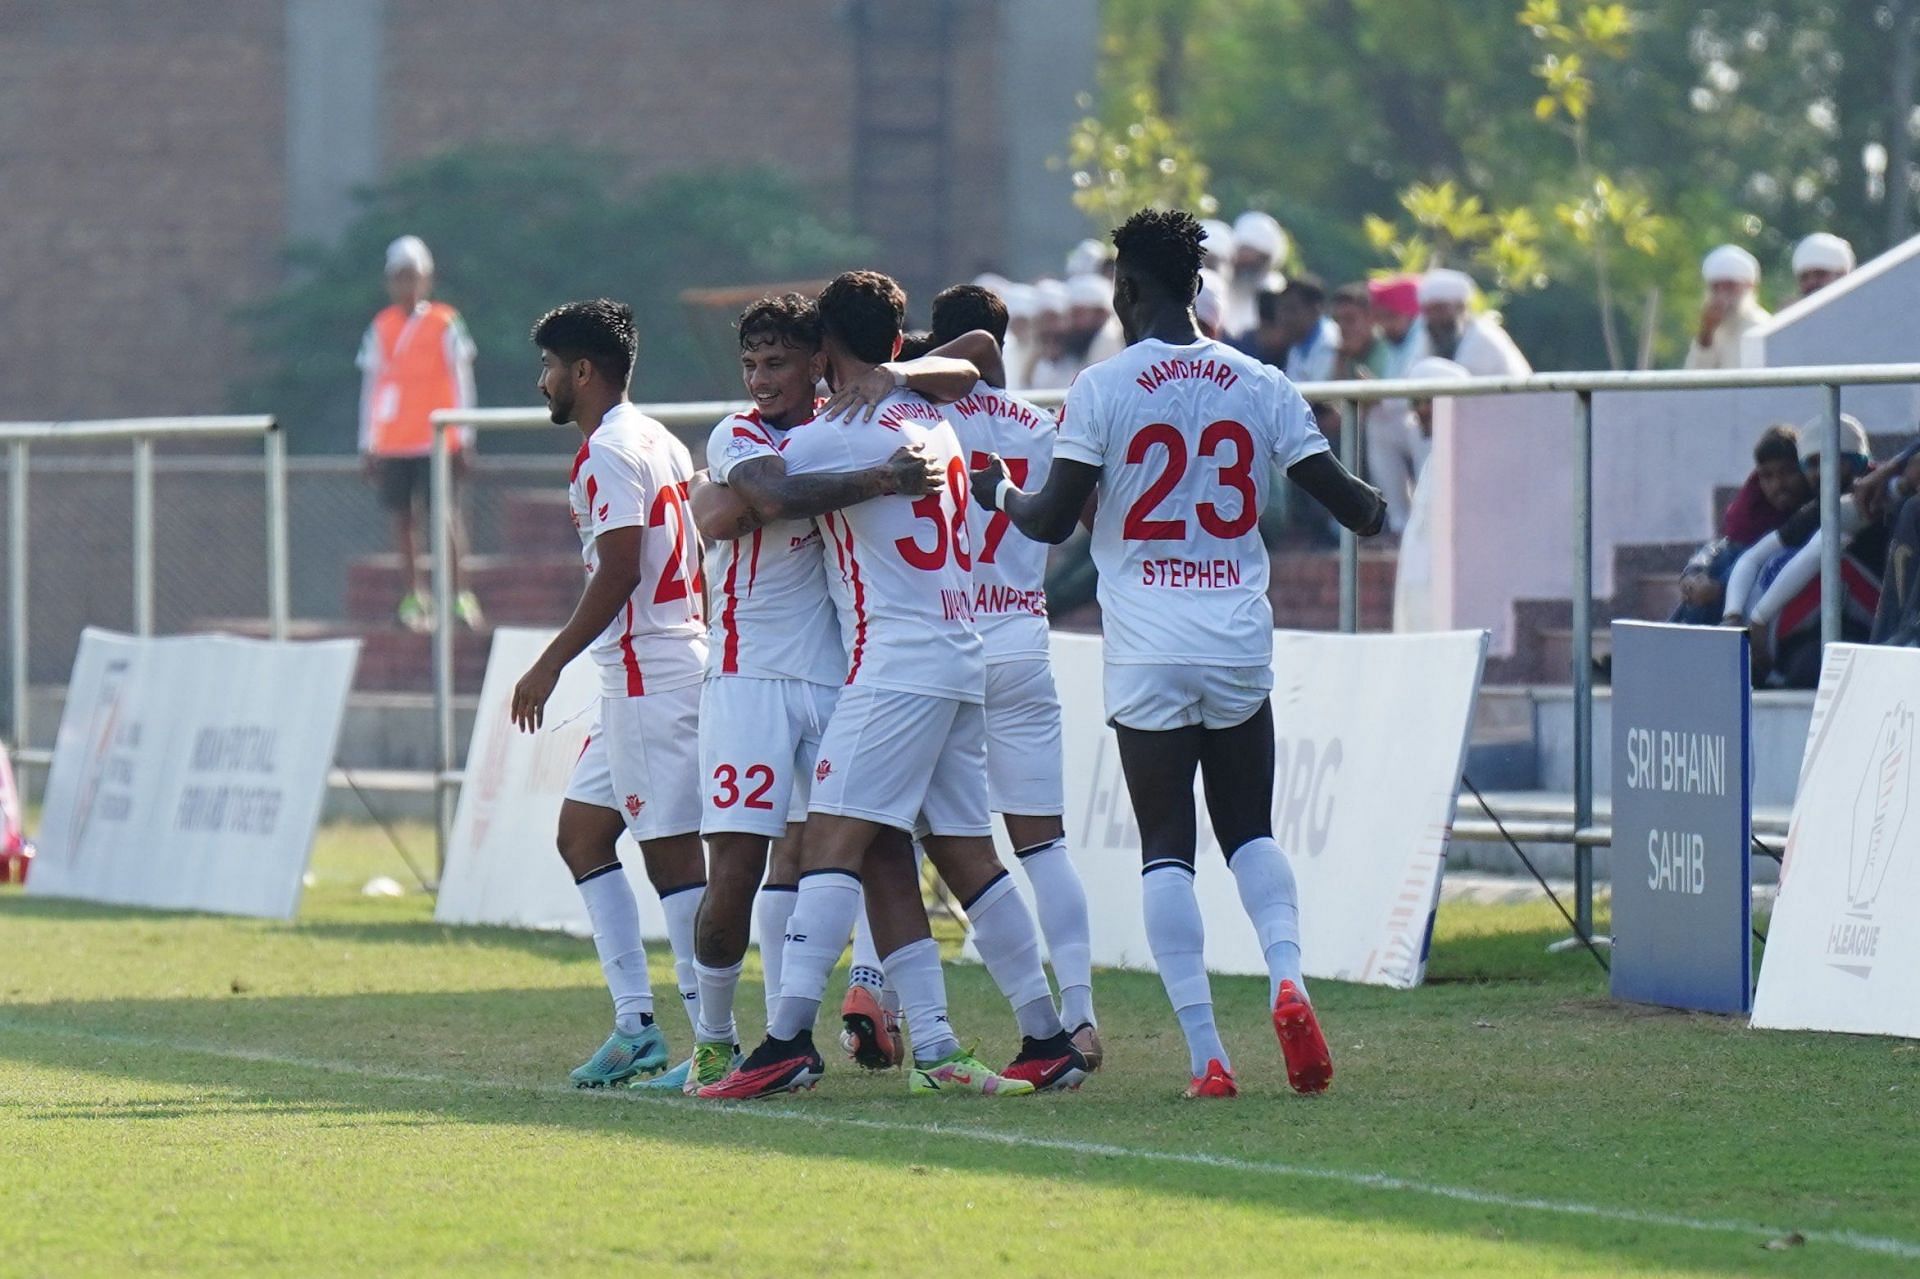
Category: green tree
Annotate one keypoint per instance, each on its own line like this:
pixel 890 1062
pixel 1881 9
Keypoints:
pixel 515 231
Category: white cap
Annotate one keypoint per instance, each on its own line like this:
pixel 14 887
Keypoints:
pixel 1217 238
pixel 1853 438
pixel 1087 257
pixel 1050 298
pixel 409 251
pixel 992 282
pixel 1730 262
pixel 1090 290
pixel 1433 368
pixel 1210 304
pixel 1444 285
pixel 1261 232
pixel 1823 251
pixel 1021 304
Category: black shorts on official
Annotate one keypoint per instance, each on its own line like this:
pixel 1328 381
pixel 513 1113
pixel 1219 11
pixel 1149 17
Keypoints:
pixel 402 481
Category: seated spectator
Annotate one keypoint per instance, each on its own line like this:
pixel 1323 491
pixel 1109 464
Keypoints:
pixel 1396 313
pixel 1774 489
pixel 1819 260
pixel 1316 341
pixel 1259 252
pixel 1360 351
pixel 1731 274
pixel 1891 493
pixel 1774 588
pixel 1271 338
pixel 1475 341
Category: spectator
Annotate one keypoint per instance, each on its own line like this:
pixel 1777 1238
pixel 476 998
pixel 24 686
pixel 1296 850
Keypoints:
pixel 1218 245
pixel 1774 489
pixel 1271 339
pixel 1210 303
pixel 1315 343
pixel 1414 601
pixel 1396 312
pixel 1774 587
pixel 1051 368
pixel 1819 260
pixel 1476 342
pixel 1018 351
pixel 1094 329
pixel 1090 257
pixel 1731 274
pixel 1260 250
pixel 416 357
pixel 1889 493
pixel 1359 352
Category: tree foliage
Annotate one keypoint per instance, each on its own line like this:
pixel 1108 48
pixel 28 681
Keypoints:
pixel 515 231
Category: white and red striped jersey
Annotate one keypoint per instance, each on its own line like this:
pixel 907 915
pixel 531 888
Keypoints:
pixel 1009 568
pixel 900 569
pixel 631 471
pixel 1186 438
pixel 772 617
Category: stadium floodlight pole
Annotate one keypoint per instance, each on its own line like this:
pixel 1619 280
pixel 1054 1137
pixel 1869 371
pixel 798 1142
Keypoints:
pixel 1831 586
pixel 1349 541
pixel 279 608
pixel 440 506
pixel 17 589
pixel 1583 658
pixel 143 535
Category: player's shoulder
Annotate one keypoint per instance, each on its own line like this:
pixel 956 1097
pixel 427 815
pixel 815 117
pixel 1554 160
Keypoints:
pixel 739 435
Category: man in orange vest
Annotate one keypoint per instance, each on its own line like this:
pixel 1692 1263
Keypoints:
pixel 415 358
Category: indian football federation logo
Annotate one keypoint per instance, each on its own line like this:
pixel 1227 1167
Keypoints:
pixel 1879 814
pixel 634 805
pixel 822 771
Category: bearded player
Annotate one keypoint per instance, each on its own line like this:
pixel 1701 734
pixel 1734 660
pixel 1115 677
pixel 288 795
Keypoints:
pixel 1177 433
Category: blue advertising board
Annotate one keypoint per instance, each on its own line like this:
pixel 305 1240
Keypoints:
pixel 1682 820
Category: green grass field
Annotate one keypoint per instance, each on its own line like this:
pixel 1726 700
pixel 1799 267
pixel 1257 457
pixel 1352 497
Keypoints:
pixel 363 1091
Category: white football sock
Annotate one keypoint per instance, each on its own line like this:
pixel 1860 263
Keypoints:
pixel 1178 940
pixel 823 913
pixel 681 905
pixel 616 938
pixel 1060 900
pixel 771 911
pixel 716 1004
pixel 866 960
pixel 1004 935
pixel 1272 902
pixel 914 970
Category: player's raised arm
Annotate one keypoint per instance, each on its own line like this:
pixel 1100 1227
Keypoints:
pixel 760 491
pixel 939 376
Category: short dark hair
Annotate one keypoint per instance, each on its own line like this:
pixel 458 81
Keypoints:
pixel 788 320
pixel 1305 289
pixel 966 307
pixel 915 344
pixel 864 311
pixel 1778 443
pixel 1353 295
pixel 1164 245
pixel 599 331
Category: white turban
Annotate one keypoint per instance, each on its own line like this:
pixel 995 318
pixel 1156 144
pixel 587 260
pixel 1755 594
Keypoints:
pixel 1087 257
pixel 1823 251
pixel 1050 298
pixel 1090 290
pixel 1444 285
pixel 1853 438
pixel 409 251
pixel 992 283
pixel 1020 301
pixel 1216 238
pixel 1433 368
pixel 1260 232
pixel 1210 304
pixel 1730 262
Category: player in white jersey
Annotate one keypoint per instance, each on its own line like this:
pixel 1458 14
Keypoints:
pixel 905 747
pixel 1010 612
pixel 775 660
pixel 1179 433
pixel 640 618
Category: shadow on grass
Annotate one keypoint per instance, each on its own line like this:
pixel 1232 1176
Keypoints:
pixel 487 1057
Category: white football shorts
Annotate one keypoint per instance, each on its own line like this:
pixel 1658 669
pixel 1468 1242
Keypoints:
pixel 643 761
pixel 905 760
pixel 1159 698
pixel 758 742
pixel 1023 739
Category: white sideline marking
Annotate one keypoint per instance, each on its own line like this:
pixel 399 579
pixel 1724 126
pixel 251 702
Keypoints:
pixel 1880 1244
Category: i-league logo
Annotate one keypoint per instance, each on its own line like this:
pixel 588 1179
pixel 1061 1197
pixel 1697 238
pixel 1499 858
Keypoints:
pixel 1879 814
